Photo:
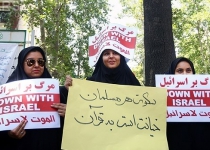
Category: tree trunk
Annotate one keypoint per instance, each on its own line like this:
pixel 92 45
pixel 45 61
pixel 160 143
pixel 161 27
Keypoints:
pixel 158 38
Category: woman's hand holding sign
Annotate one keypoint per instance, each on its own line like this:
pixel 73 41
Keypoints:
pixel 68 82
pixel 61 108
pixel 19 131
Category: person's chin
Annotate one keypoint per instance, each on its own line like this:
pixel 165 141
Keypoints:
pixel 36 76
pixel 112 67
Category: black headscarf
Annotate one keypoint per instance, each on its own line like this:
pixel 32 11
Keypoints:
pixel 19 73
pixel 120 75
pixel 176 62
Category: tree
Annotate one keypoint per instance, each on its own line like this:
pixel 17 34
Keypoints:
pixel 64 29
pixel 158 38
pixel 191 24
pixel 86 18
pixel 158 46
pixel 134 9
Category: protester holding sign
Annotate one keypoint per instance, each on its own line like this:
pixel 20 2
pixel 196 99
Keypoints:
pixel 109 50
pixel 31 65
pixel 108 53
pixel 186 135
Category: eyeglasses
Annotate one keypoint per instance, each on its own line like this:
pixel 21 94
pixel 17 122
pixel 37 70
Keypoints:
pixel 31 62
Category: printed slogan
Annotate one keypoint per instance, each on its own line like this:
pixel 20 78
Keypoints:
pixel 188 97
pixel 120 38
pixel 29 100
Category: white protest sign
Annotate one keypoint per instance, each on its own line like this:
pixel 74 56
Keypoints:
pixel 119 38
pixel 188 97
pixel 29 100
pixel 8 60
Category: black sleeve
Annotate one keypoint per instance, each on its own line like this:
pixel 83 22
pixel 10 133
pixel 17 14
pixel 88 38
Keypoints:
pixel 5 140
pixel 63 99
pixel 63 94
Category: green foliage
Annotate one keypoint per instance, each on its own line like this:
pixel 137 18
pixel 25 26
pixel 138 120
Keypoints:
pixel 64 30
pixel 191 24
pixel 12 16
pixel 134 9
pixel 86 18
pixel 138 71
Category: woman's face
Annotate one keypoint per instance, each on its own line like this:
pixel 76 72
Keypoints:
pixel 34 64
pixel 184 68
pixel 111 59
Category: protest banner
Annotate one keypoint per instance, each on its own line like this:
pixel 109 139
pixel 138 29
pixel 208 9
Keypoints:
pixel 29 100
pixel 188 97
pixel 114 117
pixel 8 60
pixel 119 38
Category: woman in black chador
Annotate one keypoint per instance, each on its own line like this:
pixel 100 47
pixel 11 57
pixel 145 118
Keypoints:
pixel 187 135
pixel 31 65
pixel 112 68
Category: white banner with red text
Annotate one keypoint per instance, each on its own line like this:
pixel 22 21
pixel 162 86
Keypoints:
pixel 8 60
pixel 29 100
pixel 188 97
pixel 116 37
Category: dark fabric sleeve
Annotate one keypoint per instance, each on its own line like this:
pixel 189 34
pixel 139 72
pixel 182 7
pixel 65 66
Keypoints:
pixel 6 142
pixel 63 94
pixel 63 99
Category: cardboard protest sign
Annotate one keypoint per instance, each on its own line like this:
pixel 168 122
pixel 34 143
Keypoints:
pixel 120 38
pixel 29 100
pixel 114 117
pixel 188 97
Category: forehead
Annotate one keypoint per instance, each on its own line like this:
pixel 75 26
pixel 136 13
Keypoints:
pixel 183 64
pixel 109 50
pixel 34 54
